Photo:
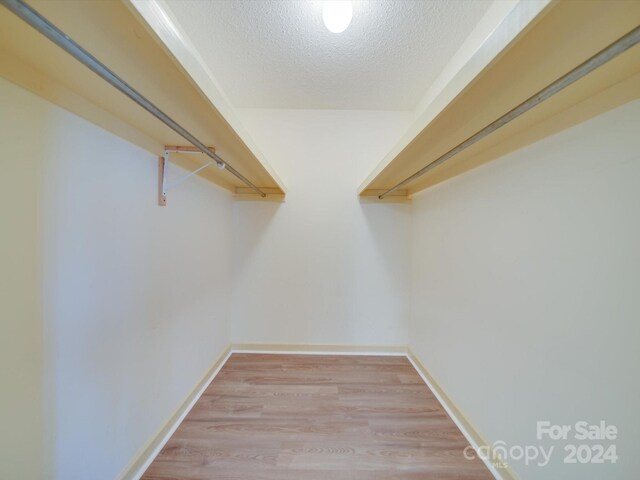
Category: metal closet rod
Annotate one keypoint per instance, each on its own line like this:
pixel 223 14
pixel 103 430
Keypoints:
pixel 599 59
pixel 42 25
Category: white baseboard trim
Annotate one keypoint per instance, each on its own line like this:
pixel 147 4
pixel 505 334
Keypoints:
pixel 319 349
pixel 149 452
pixel 472 435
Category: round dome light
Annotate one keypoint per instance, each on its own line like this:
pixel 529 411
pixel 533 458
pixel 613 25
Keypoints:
pixel 337 15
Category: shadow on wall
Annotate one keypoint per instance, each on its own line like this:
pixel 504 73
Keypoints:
pixel 249 228
pixel 387 223
pixel 385 237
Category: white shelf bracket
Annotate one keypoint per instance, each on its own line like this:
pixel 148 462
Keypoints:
pixel 163 185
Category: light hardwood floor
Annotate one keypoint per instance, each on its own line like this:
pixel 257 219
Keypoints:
pixel 316 417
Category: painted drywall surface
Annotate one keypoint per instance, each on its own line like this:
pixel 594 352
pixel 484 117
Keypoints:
pixel 490 21
pixel 322 267
pixel 21 418
pixel 525 283
pixel 135 297
pixel 391 52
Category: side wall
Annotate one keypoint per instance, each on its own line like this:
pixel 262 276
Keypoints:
pixel 135 297
pixel 322 267
pixel 525 281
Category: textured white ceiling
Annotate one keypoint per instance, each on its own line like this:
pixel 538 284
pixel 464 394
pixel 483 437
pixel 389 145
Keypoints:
pixel 278 54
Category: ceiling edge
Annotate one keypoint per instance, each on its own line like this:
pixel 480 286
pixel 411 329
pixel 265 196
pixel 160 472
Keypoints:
pixel 495 31
pixel 160 19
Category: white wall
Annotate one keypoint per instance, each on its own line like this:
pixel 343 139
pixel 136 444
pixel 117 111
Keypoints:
pixel 525 281
pixel 523 276
pixel 135 297
pixel 322 268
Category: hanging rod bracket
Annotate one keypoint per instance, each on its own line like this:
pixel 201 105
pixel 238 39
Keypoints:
pixel 57 36
pixel 163 185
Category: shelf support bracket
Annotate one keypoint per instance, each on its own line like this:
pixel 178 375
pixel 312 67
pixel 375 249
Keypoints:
pixel 163 164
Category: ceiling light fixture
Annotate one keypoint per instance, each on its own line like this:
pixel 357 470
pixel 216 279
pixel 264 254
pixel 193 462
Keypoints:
pixel 337 15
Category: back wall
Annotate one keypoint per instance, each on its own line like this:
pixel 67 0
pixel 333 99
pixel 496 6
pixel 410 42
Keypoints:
pixel 321 267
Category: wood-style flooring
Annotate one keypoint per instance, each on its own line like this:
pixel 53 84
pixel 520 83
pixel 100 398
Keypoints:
pixel 316 417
